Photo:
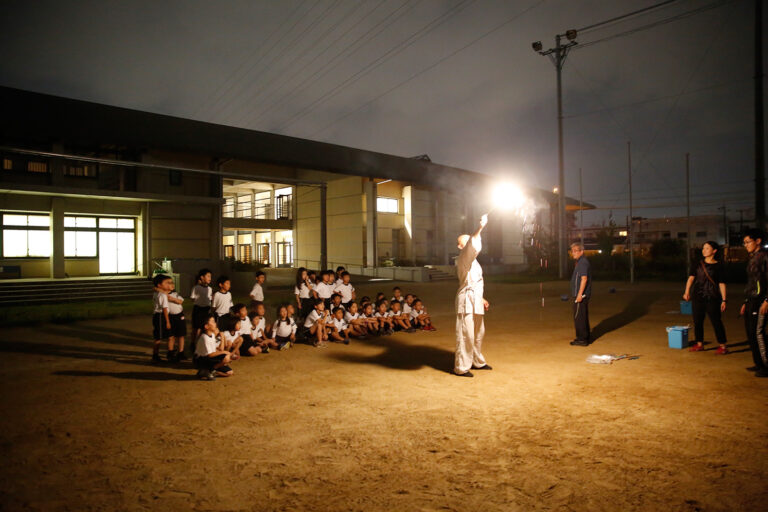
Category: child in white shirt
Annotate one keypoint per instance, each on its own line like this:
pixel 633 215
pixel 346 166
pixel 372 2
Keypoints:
pixel 230 335
pixel 257 292
pixel 210 358
pixel 303 292
pixel 324 289
pixel 356 321
pixel 178 326
pixel 402 321
pixel 259 329
pixel 345 289
pixel 336 303
pixel 408 305
pixel 222 299
pixel 339 327
pixel 369 317
pixel 397 296
pixel 201 295
pixel 161 322
pixel 419 316
pixel 314 325
pixel 284 329
pixel 384 316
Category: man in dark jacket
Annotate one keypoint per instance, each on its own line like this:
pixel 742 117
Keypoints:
pixel 755 307
pixel 581 289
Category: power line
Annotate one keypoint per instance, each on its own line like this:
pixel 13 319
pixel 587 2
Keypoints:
pixel 428 68
pixel 297 38
pixel 278 74
pixel 218 94
pixel 624 16
pixel 426 29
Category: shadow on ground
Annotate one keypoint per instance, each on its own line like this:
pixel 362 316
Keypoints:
pixel 400 355
pixel 156 376
pixel 636 308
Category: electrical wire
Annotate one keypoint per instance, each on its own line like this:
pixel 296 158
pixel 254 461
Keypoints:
pixel 428 68
pixel 395 50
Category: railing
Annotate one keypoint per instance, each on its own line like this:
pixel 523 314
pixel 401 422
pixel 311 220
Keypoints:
pixel 280 210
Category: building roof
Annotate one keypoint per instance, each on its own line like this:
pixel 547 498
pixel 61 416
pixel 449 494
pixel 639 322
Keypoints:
pixel 42 119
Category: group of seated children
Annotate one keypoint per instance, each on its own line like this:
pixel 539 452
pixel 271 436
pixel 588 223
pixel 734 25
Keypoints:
pixel 225 331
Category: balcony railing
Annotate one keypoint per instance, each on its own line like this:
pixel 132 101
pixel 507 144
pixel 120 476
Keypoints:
pixel 280 210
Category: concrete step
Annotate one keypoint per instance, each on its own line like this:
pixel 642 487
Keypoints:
pixel 440 275
pixel 51 291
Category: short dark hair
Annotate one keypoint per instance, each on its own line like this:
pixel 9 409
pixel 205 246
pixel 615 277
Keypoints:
pixel 340 268
pixel 335 295
pixel 754 234
pixel 318 301
pixel 396 288
pixel 255 304
pixel 159 279
pixel 237 307
pixel 260 273
pixel 345 273
pixel 221 280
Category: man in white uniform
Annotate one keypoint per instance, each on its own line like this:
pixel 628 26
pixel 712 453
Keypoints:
pixel 470 305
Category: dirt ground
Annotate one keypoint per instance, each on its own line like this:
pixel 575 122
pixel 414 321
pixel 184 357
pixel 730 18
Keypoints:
pixel 88 423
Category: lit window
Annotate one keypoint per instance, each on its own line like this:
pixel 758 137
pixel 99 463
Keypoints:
pixel 26 236
pixel 37 167
pixel 82 170
pixel 108 223
pixel 622 233
pixel 80 239
pixel 386 204
pixel 7 164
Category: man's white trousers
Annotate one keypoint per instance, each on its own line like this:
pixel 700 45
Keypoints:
pixel 470 330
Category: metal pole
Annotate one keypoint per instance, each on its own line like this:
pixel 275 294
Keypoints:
pixel 323 228
pixel 581 210
pixel 560 163
pixel 688 211
pixel 759 128
pixel 630 226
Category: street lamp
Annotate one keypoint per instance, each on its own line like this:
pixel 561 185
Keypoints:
pixel 558 55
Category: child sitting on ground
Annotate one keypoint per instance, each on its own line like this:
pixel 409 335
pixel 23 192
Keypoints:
pixel 178 325
pixel 240 312
pixel 369 317
pixel 408 304
pixel 314 325
pixel 222 299
pixel 384 316
pixel 161 321
pixel 250 346
pixel 259 329
pixel 230 335
pixel 257 293
pixel 397 296
pixel 419 316
pixel 356 321
pixel 210 358
pixel 401 320
pixel 339 328
pixel 379 297
pixel 336 303
pixel 345 289
pixel 284 329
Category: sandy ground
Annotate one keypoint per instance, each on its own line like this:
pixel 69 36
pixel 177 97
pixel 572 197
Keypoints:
pixel 88 423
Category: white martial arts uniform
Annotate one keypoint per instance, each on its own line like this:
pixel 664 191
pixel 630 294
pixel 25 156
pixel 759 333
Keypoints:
pixel 470 309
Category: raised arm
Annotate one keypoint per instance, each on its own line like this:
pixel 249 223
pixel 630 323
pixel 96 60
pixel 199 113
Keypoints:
pixel 483 222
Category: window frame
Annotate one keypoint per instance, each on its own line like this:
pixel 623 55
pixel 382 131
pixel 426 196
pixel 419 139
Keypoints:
pixel 388 199
pixel 26 228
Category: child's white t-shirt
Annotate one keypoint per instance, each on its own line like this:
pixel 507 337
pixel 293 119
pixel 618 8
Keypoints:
pixel 312 318
pixel 284 329
pixel 257 293
pixel 245 326
pixel 345 290
pixel 401 300
pixel 173 308
pixel 324 290
pixel 302 291
pixel 229 337
pixel 407 308
pixel 160 301
pixel 206 344
pixel 415 314
pixel 341 325
pixel 257 330
pixel 201 295
pixel 349 316
pixel 222 302
pixel 386 314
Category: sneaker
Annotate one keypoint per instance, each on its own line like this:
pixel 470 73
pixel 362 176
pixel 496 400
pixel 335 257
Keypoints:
pixel 410 329
pixel 752 369
pixel 284 346
pixel 206 375
pixel 265 350
pixel 390 332
pixel 432 328
pixel 181 356
pixel 761 373
pixel 465 374
pixel 580 343
pixel 346 341
pixel 697 347
pixel 156 358
pixel 171 355
pixel 722 350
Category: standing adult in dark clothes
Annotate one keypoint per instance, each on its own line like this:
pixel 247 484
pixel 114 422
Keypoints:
pixel 755 306
pixel 581 289
pixel 708 296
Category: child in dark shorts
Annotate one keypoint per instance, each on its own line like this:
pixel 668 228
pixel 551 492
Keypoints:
pixel 178 326
pixel 161 322
pixel 284 329
pixel 210 358
pixel 201 295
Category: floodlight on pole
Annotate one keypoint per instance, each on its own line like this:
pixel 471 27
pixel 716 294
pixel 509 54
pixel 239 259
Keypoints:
pixel 558 55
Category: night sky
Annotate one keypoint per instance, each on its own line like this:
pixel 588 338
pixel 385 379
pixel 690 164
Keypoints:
pixel 456 80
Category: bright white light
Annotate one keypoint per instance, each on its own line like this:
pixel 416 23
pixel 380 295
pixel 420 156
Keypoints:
pixel 508 196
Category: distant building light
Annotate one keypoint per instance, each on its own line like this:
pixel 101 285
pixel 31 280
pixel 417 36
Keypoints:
pixel 555 190
pixel 623 233
pixel 599 251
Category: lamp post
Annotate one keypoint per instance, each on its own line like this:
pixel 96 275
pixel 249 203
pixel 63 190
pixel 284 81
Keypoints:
pixel 558 55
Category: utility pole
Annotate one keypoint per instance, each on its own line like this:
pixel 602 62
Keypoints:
pixel 558 55
pixel 630 225
pixel 759 128
pixel 581 210
pixel 688 212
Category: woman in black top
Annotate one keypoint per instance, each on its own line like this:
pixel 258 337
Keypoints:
pixel 708 296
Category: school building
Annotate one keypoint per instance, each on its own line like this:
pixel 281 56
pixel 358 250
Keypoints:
pixel 91 190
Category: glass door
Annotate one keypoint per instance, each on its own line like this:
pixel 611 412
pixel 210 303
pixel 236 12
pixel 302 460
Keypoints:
pixel 117 246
